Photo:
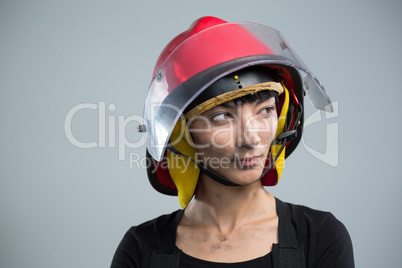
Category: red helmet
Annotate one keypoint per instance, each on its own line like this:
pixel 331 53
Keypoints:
pixel 209 50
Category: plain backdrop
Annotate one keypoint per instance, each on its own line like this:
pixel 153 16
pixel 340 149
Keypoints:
pixel 65 206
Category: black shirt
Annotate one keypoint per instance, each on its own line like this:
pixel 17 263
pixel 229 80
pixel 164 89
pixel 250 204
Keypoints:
pixel 262 262
pixel 325 241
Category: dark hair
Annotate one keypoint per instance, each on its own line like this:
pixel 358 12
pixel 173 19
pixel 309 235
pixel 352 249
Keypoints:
pixel 260 95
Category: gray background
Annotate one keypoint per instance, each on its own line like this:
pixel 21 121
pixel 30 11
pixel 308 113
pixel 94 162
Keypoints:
pixel 63 206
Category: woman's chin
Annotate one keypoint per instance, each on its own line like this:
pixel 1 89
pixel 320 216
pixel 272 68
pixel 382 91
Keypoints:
pixel 244 176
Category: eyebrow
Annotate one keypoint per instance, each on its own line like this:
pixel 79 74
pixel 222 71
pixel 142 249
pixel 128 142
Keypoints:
pixel 229 104
pixel 264 100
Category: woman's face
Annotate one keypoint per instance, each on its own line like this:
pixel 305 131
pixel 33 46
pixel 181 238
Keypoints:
pixel 234 139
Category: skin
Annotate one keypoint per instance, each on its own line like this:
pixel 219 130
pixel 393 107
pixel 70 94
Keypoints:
pixel 232 224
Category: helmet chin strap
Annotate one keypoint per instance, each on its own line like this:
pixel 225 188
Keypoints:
pixel 282 138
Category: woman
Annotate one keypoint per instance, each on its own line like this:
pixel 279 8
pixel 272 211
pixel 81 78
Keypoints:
pixel 224 109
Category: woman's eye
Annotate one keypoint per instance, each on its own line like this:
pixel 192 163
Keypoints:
pixel 266 110
pixel 221 117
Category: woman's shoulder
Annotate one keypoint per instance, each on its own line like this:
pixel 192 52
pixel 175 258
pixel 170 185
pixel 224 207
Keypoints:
pixel 316 221
pixel 301 213
pixel 156 225
pixel 140 240
pixel 325 239
pixel 148 234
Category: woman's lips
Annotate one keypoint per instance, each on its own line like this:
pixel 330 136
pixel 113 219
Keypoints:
pixel 249 161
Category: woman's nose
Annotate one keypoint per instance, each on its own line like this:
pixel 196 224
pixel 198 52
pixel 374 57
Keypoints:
pixel 248 134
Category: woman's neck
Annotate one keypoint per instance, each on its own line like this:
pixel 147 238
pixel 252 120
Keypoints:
pixel 228 207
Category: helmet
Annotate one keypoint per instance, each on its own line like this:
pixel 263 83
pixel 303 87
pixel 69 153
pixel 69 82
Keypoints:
pixel 196 61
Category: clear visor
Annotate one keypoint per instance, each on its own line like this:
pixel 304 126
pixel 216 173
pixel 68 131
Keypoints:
pixel 173 87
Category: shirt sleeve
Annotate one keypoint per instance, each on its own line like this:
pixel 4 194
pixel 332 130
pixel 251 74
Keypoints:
pixel 333 245
pixel 128 252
